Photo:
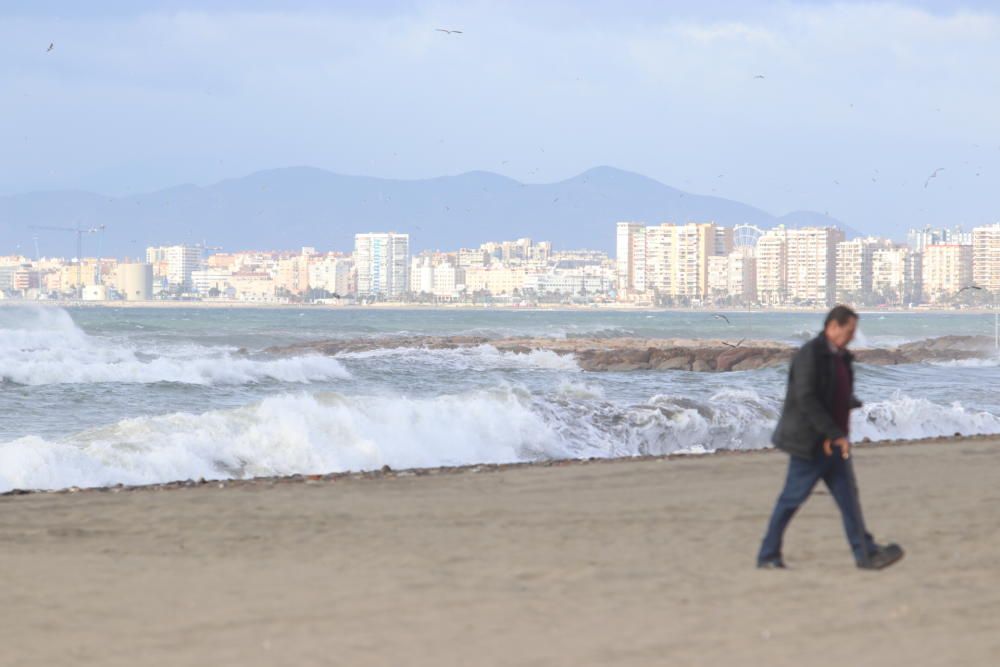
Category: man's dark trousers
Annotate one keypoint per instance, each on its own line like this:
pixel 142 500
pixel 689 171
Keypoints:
pixel 803 474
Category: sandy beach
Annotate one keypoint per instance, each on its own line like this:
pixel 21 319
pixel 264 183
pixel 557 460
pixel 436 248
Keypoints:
pixel 629 562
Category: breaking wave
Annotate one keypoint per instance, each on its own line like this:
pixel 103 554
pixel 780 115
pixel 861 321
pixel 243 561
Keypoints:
pixel 43 346
pixel 328 432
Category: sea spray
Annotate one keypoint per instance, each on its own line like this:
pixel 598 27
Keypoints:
pixel 43 346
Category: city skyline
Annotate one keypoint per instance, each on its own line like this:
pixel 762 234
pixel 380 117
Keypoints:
pixel 690 264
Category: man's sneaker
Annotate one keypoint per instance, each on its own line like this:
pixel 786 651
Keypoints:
pixel 882 557
pixel 773 564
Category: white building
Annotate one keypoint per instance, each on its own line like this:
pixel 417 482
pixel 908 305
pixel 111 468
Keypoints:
pixel 854 268
pixel 383 264
pixel 332 273
pixel 986 257
pixel 771 251
pixel 811 257
pixel 733 276
pixel 204 281
pixel 178 262
pixel 947 268
pixel 447 280
pixel 630 258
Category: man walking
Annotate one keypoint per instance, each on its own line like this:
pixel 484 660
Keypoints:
pixel 813 430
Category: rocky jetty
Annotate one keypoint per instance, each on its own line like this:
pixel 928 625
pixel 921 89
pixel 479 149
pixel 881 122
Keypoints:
pixel 629 354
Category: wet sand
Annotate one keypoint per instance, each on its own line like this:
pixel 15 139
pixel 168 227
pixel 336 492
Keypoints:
pixel 608 563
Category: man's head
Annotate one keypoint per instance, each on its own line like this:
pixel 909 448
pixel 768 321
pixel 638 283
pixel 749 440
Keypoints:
pixel 840 325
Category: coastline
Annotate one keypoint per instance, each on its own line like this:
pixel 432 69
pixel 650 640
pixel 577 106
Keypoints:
pixel 621 562
pixel 387 472
pixel 602 307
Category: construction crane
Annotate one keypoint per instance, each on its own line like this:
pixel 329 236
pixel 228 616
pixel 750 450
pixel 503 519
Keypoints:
pixel 79 231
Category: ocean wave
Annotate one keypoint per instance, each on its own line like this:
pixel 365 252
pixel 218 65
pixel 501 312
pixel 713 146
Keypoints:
pixel 330 432
pixel 967 363
pixel 905 417
pixel 43 346
pixel 326 432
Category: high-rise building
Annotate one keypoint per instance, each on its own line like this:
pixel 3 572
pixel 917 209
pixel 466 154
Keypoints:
pixel 947 268
pixel 891 282
pixel 986 257
pixel 811 264
pixel 771 251
pixel 723 244
pixel 383 263
pixel 718 277
pixel 694 243
pixel 914 280
pixel 660 258
pixel 630 258
pixel 854 268
pixel 919 239
pixel 174 264
pixel 742 274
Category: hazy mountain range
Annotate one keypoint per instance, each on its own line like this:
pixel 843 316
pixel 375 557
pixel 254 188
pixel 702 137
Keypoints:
pixel 297 206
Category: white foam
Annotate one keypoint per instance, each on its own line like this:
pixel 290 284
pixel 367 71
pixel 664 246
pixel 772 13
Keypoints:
pixel 904 417
pixel 327 432
pixel 968 363
pixel 298 433
pixel 43 346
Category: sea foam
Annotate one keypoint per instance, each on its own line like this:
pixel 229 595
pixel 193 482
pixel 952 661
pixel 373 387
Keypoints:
pixel 43 346
pixel 330 432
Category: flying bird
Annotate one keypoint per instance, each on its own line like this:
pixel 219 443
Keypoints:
pixel 758 76
pixel 934 175
pixel 720 316
pixel 449 32
pixel 51 46
pixel 737 344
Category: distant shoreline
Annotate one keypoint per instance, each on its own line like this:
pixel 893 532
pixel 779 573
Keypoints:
pixel 617 307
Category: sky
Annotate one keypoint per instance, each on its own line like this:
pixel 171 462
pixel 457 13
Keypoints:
pixel 844 108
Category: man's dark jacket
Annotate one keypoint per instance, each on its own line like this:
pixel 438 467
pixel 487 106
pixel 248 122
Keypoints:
pixel 807 416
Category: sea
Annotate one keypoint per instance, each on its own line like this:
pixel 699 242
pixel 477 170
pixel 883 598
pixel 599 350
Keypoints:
pixel 98 396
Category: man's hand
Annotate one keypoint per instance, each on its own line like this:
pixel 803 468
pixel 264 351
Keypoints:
pixel 845 447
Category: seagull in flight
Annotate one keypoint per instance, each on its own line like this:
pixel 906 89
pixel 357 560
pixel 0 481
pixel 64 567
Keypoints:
pixel 934 175
pixel 758 76
pixel 448 32
pixel 52 45
pixel 737 344
pixel 720 316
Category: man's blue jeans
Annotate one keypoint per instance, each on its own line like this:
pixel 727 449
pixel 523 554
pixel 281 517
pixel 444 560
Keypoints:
pixel 803 474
